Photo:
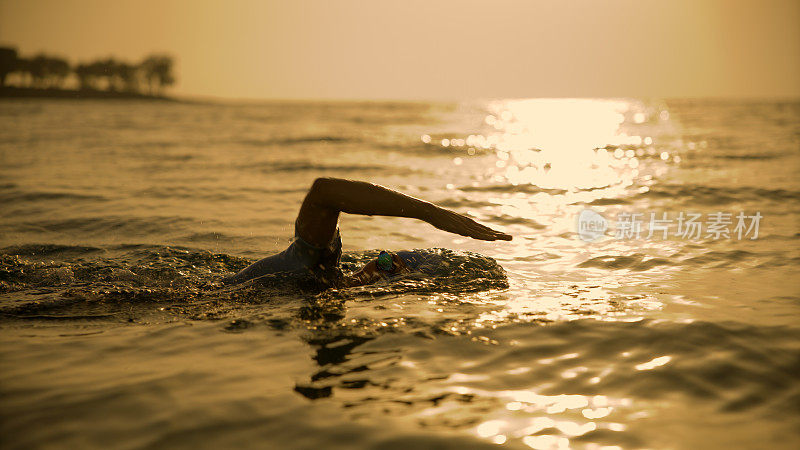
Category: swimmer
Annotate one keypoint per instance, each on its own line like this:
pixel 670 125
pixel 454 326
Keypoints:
pixel 317 246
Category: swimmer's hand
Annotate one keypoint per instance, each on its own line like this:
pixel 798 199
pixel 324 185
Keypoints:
pixel 319 214
pixel 447 220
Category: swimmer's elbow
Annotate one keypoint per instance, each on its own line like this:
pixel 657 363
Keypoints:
pixel 330 193
pixel 322 184
pixel 320 187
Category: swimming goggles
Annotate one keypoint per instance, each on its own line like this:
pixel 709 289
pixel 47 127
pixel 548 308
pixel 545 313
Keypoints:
pixel 385 261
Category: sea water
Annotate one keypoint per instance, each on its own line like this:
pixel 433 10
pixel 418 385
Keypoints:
pixel 637 330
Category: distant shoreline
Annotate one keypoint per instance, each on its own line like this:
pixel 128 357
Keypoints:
pixel 25 92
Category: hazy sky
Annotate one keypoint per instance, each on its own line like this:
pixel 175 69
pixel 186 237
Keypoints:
pixel 433 49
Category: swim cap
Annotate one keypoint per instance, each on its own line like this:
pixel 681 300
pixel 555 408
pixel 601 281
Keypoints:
pixel 385 261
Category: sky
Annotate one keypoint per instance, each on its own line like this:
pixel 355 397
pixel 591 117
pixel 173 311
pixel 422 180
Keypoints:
pixel 437 50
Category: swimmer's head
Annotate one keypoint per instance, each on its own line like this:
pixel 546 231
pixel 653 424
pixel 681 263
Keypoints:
pixel 386 265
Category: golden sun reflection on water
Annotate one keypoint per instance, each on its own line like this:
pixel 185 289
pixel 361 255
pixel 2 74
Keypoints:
pixel 530 167
pixel 572 145
pixel 549 159
pixel 523 419
pixel 536 163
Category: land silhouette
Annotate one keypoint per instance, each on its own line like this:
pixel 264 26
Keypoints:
pixel 44 75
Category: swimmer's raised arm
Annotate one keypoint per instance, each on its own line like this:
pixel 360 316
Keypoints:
pixel 319 214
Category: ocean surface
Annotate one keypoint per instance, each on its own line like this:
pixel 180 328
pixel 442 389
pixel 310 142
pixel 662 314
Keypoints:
pixel 118 218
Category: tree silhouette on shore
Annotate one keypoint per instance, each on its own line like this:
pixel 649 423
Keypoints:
pixel 47 71
pixel 8 63
pixel 158 72
pixel 44 71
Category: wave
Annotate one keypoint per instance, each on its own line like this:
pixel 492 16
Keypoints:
pixel 463 202
pixel 721 258
pixel 507 219
pixel 211 236
pixel 522 188
pixel 636 261
pixel 325 168
pixel 309 166
pixel 49 250
pixel 749 157
pixel 609 202
pixel 127 226
pixel 709 195
pixel 303 166
pixel 187 193
pixel 703 195
pixel 298 140
pixel 709 259
pixel 26 197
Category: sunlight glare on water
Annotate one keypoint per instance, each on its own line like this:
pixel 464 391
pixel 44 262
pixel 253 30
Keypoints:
pixel 561 131
pixel 549 159
pixel 560 144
